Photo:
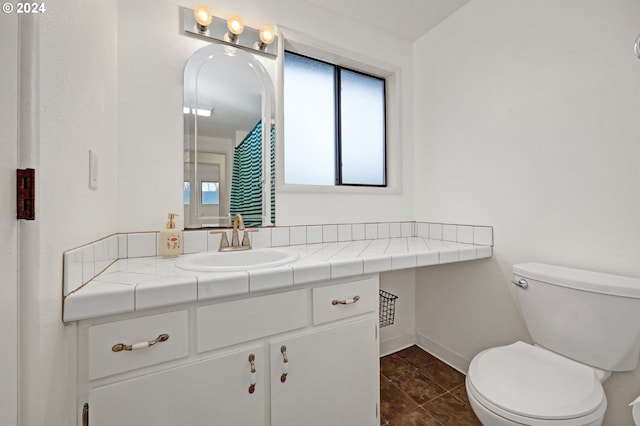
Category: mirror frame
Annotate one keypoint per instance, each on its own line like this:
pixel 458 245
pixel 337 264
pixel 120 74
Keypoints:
pixel 192 68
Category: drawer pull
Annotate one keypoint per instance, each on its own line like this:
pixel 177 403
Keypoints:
pixel 252 379
pixel 345 302
pixel 285 364
pixel 118 347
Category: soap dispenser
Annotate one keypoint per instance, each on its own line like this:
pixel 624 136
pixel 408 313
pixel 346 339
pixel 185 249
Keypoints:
pixel 170 239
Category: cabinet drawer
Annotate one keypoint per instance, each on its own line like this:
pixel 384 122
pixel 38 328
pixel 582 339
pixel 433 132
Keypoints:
pixel 228 323
pixel 103 361
pixel 324 309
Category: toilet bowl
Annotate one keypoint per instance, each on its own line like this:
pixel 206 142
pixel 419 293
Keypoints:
pixel 528 385
pixel 584 324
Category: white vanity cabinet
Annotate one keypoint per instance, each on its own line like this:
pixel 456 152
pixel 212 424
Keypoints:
pixel 331 365
pixel 330 379
pixel 308 356
pixel 213 391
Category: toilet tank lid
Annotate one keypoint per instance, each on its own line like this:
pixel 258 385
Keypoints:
pixel 595 282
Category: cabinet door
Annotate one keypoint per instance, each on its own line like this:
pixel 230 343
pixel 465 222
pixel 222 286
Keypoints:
pixel 210 392
pixel 333 377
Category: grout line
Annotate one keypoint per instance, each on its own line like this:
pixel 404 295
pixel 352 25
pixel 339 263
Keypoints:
pixel 445 391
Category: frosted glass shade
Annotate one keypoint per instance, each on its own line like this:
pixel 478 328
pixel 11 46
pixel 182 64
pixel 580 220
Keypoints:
pixel 267 34
pixel 235 25
pixel 203 15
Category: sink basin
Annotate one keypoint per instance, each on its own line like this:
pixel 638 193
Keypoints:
pixel 228 261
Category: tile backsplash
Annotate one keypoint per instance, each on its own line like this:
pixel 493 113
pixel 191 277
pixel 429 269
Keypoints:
pixel 82 264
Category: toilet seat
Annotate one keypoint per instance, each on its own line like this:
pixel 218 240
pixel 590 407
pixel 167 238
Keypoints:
pixel 531 385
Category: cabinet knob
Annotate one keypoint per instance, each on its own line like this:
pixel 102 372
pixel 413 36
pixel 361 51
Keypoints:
pixel 119 347
pixel 252 374
pixel 285 364
pixel 346 302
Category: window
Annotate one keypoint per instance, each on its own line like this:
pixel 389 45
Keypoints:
pixel 186 191
pixel 210 193
pixel 334 125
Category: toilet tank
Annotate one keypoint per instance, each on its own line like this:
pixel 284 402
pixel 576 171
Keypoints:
pixel 591 317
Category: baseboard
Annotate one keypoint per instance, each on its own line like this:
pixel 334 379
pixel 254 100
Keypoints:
pixel 444 354
pixel 397 343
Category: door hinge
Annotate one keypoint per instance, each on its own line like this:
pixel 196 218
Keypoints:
pixel 26 194
pixel 85 414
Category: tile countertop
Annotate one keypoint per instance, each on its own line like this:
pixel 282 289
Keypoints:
pixel 136 284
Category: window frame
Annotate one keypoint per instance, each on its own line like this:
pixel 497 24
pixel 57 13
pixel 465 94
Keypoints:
pixel 337 71
pixel 399 129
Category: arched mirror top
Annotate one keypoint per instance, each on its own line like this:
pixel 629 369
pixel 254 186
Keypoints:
pixel 238 67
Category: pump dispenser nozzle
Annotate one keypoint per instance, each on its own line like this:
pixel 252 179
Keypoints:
pixel 171 224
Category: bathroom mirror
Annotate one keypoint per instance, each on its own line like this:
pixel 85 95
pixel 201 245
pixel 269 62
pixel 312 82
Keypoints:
pixel 229 146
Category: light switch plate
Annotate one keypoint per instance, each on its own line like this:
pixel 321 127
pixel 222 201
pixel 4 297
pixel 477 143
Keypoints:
pixel 93 170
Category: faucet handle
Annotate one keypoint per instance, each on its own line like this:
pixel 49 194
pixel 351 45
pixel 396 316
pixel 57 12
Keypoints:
pixel 224 242
pixel 245 237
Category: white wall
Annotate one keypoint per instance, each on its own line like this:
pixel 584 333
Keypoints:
pixel 527 120
pixel 152 53
pixel 77 54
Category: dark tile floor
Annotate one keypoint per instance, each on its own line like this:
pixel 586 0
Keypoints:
pixel 417 389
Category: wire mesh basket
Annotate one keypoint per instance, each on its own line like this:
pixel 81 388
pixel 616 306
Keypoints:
pixel 387 308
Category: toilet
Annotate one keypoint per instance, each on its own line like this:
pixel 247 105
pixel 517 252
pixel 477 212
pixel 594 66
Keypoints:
pixel 584 326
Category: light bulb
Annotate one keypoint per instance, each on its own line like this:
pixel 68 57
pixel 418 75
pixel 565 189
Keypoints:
pixel 235 24
pixel 203 16
pixel 267 34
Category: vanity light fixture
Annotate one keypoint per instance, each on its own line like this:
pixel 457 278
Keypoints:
pixel 201 22
pixel 203 17
pixel 236 27
pixel 267 35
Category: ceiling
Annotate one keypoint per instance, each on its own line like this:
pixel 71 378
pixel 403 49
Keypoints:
pixel 408 19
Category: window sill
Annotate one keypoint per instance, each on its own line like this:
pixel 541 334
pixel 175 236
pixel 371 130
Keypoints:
pixel 338 189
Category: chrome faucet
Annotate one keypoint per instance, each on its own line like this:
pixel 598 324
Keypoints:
pixel 238 225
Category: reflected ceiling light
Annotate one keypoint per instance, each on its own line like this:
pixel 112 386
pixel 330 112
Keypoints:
pixel 198 111
pixel 236 27
pixel 267 35
pixel 203 17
